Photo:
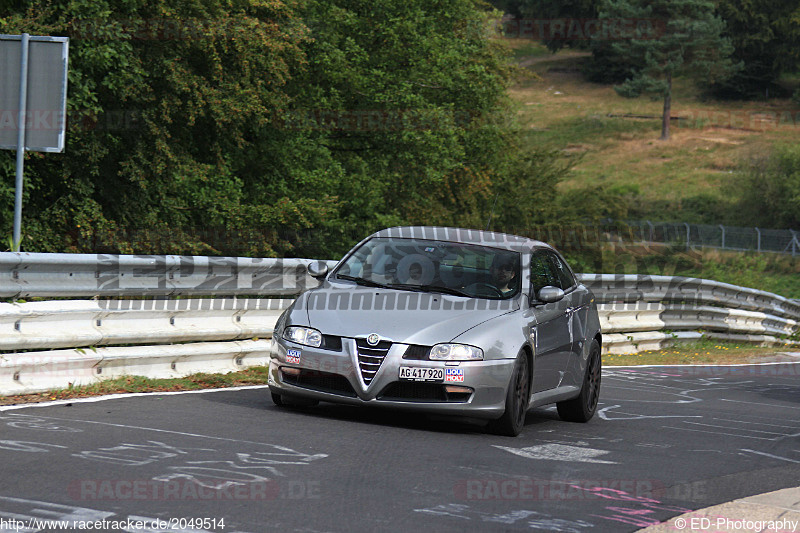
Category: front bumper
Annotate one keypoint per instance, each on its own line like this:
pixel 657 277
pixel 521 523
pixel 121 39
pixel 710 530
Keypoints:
pixel 335 376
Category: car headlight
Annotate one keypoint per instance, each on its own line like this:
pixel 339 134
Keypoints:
pixel 301 335
pixel 455 352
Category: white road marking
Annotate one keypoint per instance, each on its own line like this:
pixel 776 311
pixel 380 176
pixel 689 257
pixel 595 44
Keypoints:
pixel 603 414
pixel 743 429
pixel 718 433
pixel 94 399
pixel 754 423
pixel 560 452
pixel 755 403
pixel 770 455
pixel 157 430
pixel 614 367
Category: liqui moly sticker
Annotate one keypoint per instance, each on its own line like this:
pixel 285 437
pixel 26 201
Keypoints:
pixel 454 374
pixel 293 356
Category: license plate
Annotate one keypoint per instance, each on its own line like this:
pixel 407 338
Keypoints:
pixel 418 373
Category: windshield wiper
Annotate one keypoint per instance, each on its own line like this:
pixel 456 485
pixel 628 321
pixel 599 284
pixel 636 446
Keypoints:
pixel 404 286
pixel 429 288
pixel 361 281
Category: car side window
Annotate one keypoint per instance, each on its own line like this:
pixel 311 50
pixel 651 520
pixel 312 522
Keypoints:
pixel 542 273
pixel 565 277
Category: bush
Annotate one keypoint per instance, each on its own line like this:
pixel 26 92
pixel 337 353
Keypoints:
pixel 768 189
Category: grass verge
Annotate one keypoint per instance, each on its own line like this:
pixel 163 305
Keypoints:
pixel 703 352
pixel 252 376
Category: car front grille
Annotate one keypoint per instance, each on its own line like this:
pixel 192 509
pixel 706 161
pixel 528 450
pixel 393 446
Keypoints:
pixel 371 357
pixel 320 381
pixel 410 391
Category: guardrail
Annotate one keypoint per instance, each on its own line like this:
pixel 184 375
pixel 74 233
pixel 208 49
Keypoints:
pixel 25 275
pixel 51 344
pixel 28 372
pixel 62 324
pixel 177 338
pixel 637 288
pixel 633 327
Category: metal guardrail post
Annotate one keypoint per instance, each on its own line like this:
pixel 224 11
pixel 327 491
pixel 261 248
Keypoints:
pixel 758 232
pixel 688 234
pixel 723 236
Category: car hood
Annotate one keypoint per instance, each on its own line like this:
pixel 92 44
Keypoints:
pixel 400 316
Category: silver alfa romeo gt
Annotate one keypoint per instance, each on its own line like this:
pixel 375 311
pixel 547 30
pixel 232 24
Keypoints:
pixel 447 321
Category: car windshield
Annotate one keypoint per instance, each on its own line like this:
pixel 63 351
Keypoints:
pixel 434 266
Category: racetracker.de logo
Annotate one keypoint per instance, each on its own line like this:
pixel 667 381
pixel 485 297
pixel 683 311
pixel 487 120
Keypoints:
pixel 569 29
pixel 553 490
pixel 190 490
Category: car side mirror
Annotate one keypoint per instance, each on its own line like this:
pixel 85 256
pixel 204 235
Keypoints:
pixel 317 269
pixel 550 294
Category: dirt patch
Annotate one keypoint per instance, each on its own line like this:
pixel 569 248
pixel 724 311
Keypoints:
pixel 721 140
pixel 560 59
pixel 781 357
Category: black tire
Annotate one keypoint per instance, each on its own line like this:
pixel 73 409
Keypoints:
pixel 277 399
pixel 283 400
pixel 513 419
pixel 582 407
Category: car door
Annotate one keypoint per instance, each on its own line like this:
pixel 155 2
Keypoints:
pixel 577 310
pixel 553 329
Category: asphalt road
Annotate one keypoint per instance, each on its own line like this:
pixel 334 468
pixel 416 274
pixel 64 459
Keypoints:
pixel 666 440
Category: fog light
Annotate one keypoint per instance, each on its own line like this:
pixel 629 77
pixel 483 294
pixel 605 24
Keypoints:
pixel 289 371
pixel 455 389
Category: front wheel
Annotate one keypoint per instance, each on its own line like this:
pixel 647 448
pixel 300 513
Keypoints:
pixel 284 400
pixel 583 407
pixel 513 419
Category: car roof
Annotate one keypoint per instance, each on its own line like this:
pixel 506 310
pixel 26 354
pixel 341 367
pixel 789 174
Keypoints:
pixel 463 236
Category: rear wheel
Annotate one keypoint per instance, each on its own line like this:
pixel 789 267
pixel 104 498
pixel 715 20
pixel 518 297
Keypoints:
pixel 513 419
pixel 583 407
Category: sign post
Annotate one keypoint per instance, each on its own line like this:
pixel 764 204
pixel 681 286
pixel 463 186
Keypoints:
pixel 35 79
pixel 21 123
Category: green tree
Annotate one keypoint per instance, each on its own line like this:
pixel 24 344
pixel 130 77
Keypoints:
pixel 766 38
pixel 690 43
pixel 409 100
pixel 292 127
pixel 166 103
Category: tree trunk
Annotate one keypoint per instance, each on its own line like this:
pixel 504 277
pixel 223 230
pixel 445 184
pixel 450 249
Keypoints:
pixel 667 108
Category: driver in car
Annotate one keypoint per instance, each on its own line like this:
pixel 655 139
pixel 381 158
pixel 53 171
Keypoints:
pixel 504 273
